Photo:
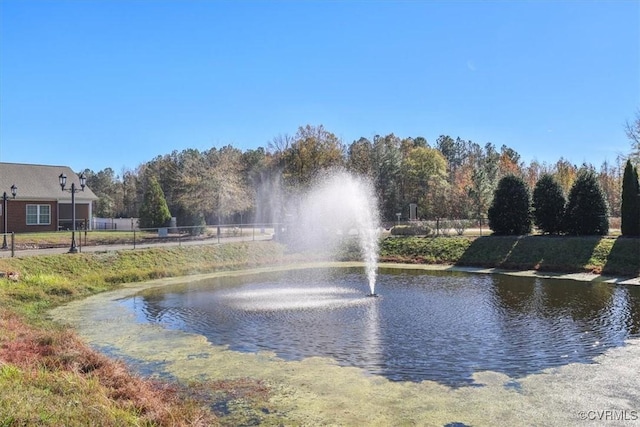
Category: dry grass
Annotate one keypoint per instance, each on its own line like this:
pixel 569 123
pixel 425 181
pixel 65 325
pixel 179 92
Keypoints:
pixel 48 376
pixel 56 368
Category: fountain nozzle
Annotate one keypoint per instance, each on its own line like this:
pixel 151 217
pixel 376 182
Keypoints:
pixel 372 295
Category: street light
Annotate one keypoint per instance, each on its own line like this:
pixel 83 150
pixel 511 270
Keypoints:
pixel 14 191
pixel 73 190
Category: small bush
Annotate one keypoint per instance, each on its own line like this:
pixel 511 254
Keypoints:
pixel 460 225
pixel 412 229
pixel 445 227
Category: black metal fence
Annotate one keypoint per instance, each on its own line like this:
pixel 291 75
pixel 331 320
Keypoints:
pixel 112 239
pixel 100 240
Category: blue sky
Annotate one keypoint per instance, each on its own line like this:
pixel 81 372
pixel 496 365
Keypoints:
pixel 96 84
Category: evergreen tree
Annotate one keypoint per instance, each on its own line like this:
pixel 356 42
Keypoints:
pixel 154 211
pixel 510 211
pixel 630 209
pixel 586 212
pixel 548 205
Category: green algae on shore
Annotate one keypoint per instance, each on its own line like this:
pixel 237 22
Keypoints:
pixel 316 391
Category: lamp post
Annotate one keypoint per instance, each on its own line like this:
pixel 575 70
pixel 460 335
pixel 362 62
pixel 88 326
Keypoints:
pixel 5 198
pixel 73 190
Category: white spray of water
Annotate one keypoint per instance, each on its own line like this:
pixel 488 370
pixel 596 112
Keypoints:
pixel 341 204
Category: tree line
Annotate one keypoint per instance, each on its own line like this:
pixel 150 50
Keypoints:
pixel 449 178
pixel 584 212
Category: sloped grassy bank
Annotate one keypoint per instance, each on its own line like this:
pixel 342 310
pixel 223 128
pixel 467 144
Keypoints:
pixel 601 255
pixel 50 377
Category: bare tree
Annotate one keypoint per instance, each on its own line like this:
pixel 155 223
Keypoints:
pixel 280 143
pixel 632 129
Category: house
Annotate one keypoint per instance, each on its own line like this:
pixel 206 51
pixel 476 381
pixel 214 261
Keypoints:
pixel 40 203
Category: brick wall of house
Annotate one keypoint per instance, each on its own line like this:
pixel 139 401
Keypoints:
pixel 17 219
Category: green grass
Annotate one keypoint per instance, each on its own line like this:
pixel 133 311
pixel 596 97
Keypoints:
pixel 49 280
pixel 49 377
pixel 613 256
pixel 428 250
pixel 60 239
pixel 55 239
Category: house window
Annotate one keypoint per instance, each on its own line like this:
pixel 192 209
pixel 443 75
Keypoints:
pixel 38 214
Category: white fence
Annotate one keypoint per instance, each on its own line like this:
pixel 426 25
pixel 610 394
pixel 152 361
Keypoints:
pixel 115 224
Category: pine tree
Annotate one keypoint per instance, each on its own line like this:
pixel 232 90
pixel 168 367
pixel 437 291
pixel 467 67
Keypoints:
pixel 154 211
pixel 548 205
pixel 510 211
pixel 586 212
pixel 630 208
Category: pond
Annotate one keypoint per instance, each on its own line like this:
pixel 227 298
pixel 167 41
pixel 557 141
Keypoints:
pixel 425 325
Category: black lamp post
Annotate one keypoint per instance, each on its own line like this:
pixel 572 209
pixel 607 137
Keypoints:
pixel 73 190
pixel 14 191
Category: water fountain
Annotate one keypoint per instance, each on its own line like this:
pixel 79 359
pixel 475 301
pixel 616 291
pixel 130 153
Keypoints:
pixel 487 338
pixel 339 205
pixel 430 325
pixel 441 340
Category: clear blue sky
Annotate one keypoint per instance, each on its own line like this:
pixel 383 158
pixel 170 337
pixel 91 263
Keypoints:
pixel 96 84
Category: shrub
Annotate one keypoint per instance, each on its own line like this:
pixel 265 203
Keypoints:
pixel 194 220
pixel 510 211
pixel 586 212
pixel 548 205
pixel 630 209
pixel 460 225
pixel 417 228
pixel 445 227
pixel 196 224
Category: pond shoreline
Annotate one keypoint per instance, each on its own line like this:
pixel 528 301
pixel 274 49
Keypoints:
pixel 580 277
pixel 616 257
pixel 316 391
pixel 55 280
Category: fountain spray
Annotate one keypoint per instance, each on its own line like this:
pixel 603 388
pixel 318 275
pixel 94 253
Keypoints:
pixel 337 206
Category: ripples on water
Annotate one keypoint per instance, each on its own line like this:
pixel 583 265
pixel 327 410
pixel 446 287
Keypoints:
pixel 426 325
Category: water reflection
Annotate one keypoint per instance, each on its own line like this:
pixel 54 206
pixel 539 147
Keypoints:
pixel 425 325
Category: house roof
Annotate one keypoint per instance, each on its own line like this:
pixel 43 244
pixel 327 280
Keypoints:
pixel 40 182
